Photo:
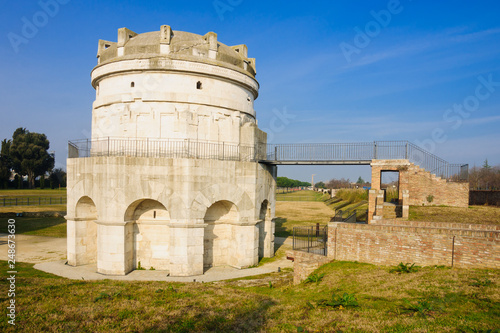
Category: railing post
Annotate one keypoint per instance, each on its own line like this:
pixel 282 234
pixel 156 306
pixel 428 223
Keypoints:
pixel 275 153
pixel 223 150
pixel 406 151
pixel 308 239
pixel 374 150
pixel 108 146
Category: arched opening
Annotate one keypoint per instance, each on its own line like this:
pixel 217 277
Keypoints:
pixel 199 85
pixel 264 218
pixel 149 234
pixel 217 242
pixel 86 231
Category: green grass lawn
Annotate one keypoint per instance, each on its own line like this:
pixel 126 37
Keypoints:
pixel 39 226
pixel 350 297
pixel 472 214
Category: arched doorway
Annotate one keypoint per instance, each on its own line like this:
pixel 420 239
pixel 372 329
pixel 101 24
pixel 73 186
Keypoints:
pixel 218 237
pixel 149 234
pixel 86 231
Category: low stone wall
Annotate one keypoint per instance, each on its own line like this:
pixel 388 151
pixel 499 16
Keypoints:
pixel 484 198
pixel 423 243
pixel 305 263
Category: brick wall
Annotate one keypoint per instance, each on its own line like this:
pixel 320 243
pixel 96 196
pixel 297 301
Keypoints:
pixel 305 263
pixel 423 243
pixel 484 198
pixel 421 183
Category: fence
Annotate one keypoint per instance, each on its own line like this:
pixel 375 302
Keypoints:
pixel 311 239
pixel 32 201
pixel 162 148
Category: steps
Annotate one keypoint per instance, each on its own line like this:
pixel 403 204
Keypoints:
pixel 391 211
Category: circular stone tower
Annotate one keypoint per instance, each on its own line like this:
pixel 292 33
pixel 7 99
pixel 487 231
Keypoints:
pixel 170 179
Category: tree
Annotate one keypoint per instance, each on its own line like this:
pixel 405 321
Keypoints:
pixel 57 178
pixel 486 165
pixel 29 154
pixel 360 180
pixel 319 185
pixel 338 183
pixel 287 182
pixel 5 163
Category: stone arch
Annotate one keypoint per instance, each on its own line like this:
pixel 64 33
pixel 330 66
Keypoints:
pixel 218 240
pixel 86 230
pixel 263 225
pixel 148 234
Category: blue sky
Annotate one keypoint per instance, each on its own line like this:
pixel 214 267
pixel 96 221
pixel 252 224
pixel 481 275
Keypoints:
pixel 342 71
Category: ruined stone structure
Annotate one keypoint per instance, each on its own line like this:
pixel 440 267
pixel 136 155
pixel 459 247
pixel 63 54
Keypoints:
pixel 417 187
pixel 170 180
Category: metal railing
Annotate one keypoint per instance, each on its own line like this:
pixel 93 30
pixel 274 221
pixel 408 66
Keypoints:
pixel 367 151
pixel 31 201
pixel 360 153
pixel 162 148
pixel 311 239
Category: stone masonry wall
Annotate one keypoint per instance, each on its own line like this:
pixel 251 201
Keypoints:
pixel 305 263
pixel 423 243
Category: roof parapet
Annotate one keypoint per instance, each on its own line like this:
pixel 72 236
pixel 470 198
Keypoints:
pixel 241 49
pixel 211 38
pixel 101 46
pixel 166 34
pixel 124 35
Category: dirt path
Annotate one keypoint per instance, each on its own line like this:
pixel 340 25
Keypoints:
pixel 34 249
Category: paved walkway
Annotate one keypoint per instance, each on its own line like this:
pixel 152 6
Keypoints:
pixel 49 253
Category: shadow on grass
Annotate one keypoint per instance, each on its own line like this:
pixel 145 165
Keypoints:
pixel 40 226
pixel 280 229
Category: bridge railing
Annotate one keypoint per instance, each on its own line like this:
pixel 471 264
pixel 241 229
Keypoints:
pixel 362 152
pixel 366 151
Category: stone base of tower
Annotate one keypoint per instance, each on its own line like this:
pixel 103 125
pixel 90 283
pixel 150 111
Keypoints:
pixel 178 215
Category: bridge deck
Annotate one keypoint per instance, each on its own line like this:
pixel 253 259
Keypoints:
pixel 344 162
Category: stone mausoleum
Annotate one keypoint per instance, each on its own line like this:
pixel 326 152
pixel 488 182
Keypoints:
pixel 170 178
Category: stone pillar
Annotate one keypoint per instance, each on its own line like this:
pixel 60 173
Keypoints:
pixel 244 243
pixel 186 248
pixel 81 241
pixel 405 203
pixel 372 201
pixel 379 208
pixel 269 226
pixel 114 248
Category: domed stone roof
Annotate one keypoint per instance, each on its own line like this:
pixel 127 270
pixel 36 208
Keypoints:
pixel 177 45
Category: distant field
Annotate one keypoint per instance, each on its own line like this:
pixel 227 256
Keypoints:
pixel 295 214
pixel 33 193
pixel 472 214
pixel 304 195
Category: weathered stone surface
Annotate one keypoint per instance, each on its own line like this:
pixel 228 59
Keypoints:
pixel 181 215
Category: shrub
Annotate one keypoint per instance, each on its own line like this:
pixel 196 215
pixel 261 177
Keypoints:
pixel 405 268
pixel 340 302
pixel 314 278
